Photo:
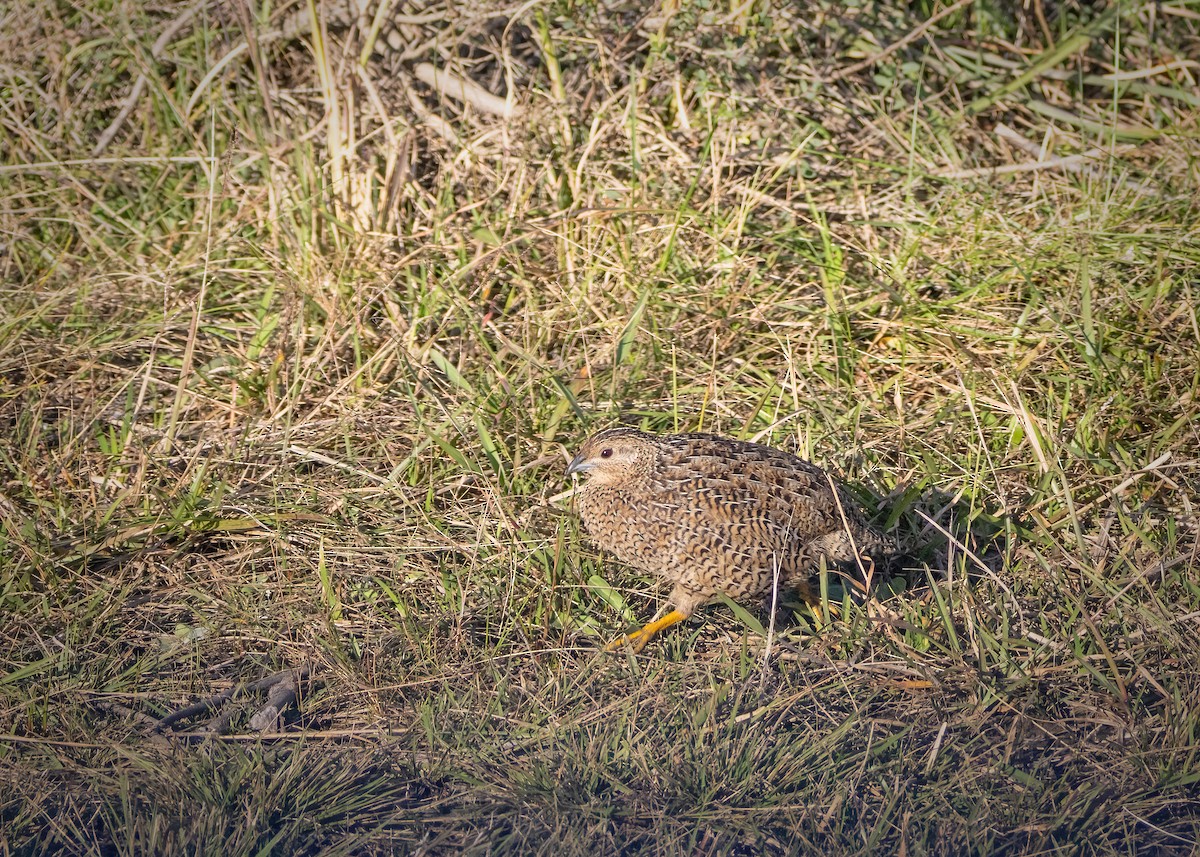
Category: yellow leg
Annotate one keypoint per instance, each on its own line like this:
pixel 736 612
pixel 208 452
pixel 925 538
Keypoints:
pixel 812 600
pixel 638 639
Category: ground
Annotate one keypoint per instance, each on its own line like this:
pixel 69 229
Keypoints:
pixel 298 336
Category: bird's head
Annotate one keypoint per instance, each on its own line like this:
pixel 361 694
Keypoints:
pixel 615 456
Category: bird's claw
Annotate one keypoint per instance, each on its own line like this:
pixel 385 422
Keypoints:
pixel 635 641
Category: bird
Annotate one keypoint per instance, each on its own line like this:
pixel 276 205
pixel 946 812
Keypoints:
pixel 712 515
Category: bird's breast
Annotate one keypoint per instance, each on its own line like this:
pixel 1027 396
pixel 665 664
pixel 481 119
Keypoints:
pixel 637 526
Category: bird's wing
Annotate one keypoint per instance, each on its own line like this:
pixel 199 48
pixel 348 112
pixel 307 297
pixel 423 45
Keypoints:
pixel 722 483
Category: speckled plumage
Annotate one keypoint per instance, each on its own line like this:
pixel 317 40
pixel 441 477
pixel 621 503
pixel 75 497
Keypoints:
pixel 714 515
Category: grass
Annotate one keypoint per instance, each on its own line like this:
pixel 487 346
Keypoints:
pixel 293 350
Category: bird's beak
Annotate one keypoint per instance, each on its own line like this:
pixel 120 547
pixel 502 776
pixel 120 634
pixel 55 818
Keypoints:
pixel 579 465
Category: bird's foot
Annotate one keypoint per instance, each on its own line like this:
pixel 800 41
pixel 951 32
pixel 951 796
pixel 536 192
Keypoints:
pixel 638 639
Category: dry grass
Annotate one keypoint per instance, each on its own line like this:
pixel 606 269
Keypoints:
pixel 292 348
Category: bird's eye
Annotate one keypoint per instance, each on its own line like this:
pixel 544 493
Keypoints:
pixel 606 453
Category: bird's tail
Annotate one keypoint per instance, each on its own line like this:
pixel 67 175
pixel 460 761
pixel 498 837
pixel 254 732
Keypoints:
pixel 861 554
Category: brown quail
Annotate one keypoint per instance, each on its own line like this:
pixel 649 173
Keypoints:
pixel 713 515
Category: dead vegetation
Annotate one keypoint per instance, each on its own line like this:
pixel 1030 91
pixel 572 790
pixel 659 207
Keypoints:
pixel 297 325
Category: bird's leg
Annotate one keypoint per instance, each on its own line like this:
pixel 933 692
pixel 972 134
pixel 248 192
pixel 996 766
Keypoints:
pixel 685 603
pixel 638 639
pixel 810 594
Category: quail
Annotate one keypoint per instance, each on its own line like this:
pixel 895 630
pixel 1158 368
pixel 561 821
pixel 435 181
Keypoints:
pixel 713 515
